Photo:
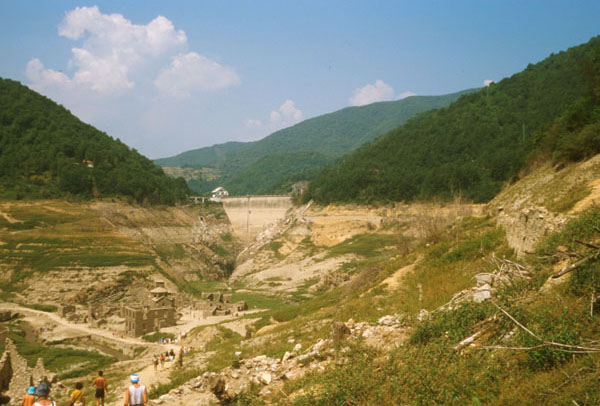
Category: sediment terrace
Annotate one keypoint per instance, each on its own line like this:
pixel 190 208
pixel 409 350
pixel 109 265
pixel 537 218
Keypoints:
pixel 249 215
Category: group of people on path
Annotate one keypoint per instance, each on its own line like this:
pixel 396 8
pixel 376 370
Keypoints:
pixel 135 394
pixel 168 355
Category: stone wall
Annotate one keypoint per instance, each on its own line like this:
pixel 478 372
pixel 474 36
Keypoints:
pixel 5 371
pixel 3 333
pixel 15 374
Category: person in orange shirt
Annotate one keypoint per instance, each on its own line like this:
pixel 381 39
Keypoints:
pixel 29 398
pixel 101 388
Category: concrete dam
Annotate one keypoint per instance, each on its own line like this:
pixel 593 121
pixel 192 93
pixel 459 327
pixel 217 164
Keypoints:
pixel 249 215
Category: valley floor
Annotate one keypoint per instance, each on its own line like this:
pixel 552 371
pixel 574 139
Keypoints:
pixel 421 304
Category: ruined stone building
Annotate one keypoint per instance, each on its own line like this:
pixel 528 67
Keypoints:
pixel 157 312
pixel 64 310
pixel 15 374
pixel 219 304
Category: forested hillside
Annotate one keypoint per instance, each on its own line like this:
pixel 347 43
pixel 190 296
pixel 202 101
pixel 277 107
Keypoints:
pixel 327 137
pixel 275 173
pixel 45 151
pixel 474 146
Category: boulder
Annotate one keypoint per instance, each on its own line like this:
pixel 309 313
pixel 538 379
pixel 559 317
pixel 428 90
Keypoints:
pixel 265 378
pixel 286 356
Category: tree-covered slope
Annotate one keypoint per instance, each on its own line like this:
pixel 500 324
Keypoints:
pixel 330 135
pixel 478 143
pixel 208 156
pixel 45 151
pixel 274 173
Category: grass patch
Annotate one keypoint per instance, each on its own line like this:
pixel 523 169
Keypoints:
pixel 177 377
pixel 274 246
pixel 207 286
pixel 41 307
pixel 157 335
pixel 365 245
pixel 258 301
pixel 66 362
pixel 566 201
pixel 225 345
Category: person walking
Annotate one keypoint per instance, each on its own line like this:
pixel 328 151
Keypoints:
pixel 136 394
pixel 29 398
pixel 43 392
pixel 77 396
pixel 171 355
pixel 162 361
pixel 101 388
pixel 155 362
pixel 181 352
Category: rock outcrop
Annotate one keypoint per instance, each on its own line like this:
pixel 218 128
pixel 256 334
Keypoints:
pixel 269 374
pixel 15 374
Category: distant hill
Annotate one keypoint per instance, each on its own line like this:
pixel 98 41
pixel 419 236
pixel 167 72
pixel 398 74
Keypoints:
pixel 328 137
pixel 45 151
pixel 473 147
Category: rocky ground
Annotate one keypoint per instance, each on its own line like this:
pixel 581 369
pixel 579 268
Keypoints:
pixel 270 373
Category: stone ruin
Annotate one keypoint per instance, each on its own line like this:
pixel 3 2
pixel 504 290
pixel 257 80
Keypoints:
pixel 15 374
pixel 219 304
pixel 157 312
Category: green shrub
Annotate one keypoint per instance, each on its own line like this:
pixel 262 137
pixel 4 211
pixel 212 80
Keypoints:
pixel 453 325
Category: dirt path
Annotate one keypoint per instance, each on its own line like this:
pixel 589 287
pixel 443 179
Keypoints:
pixel 145 369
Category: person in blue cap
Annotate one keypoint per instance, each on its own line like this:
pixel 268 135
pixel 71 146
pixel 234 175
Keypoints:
pixel 42 392
pixel 136 394
pixel 29 398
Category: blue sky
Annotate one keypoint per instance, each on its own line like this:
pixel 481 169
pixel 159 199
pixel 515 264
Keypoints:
pixel 169 76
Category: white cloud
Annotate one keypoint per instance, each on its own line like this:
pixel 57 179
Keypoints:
pixel 35 72
pixel 253 123
pixel 368 94
pixel 405 94
pixel 487 82
pixel 116 55
pixel 289 111
pixel 286 115
pixel 379 91
pixel 113 75
pixel 194 72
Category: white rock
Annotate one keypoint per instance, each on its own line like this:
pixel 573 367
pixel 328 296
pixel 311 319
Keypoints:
pixel 286 356
pixel 484 278
pixel 238 354
pixel 265 378
pixel 423 315
pixel 298 348
pixel 482 296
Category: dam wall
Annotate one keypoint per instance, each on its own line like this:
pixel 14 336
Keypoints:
pixel 249 215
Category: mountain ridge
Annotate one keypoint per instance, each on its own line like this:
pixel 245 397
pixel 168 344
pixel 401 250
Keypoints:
pixel 330 135
pixel 477 144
